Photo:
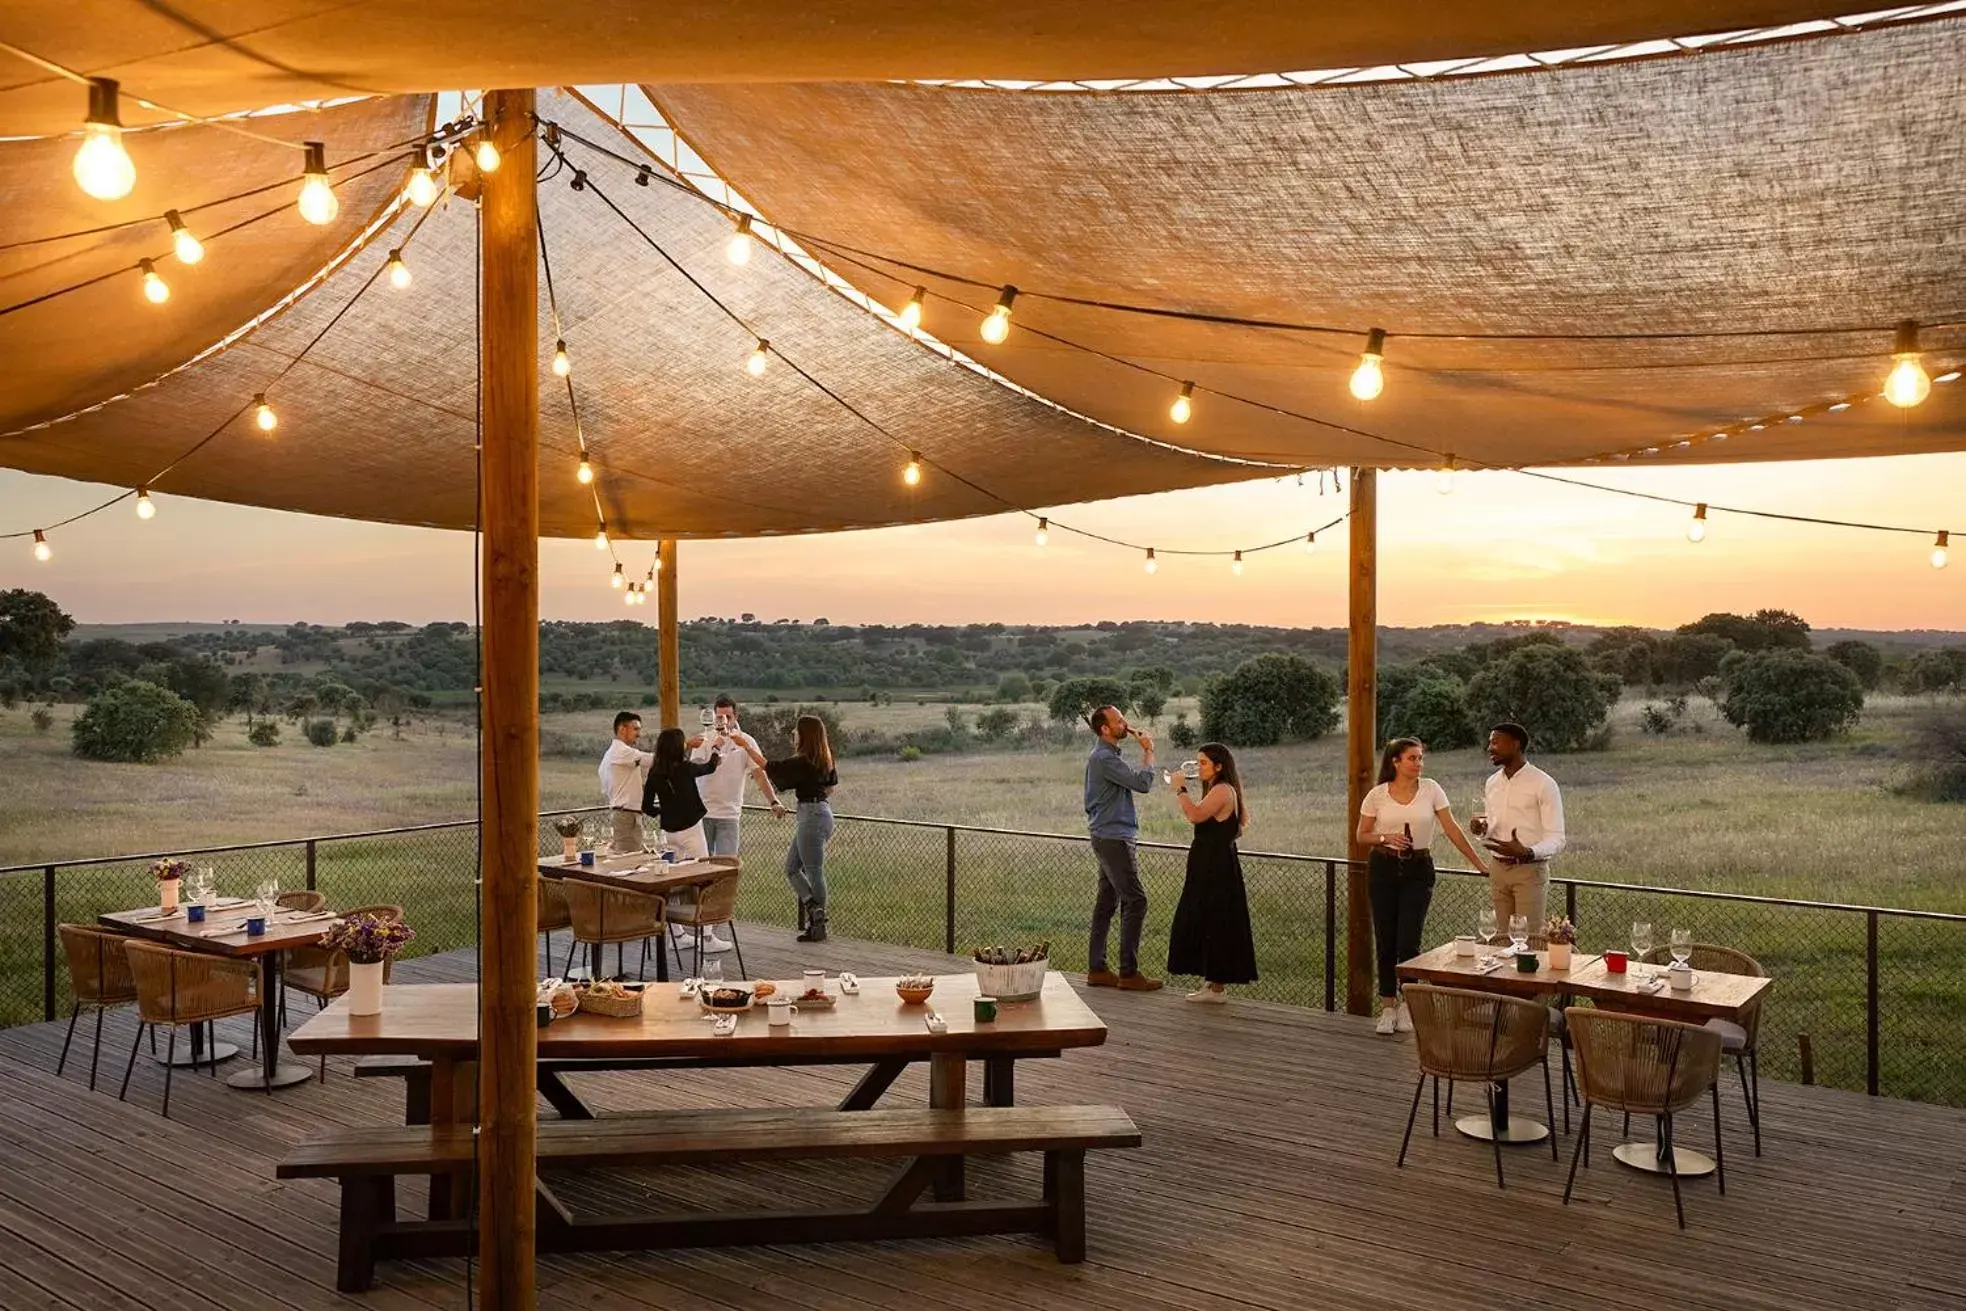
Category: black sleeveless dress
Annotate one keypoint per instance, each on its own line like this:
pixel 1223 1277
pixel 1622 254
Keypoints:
pixel 1211 935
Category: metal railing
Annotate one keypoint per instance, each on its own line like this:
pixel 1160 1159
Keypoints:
pixel 1866 997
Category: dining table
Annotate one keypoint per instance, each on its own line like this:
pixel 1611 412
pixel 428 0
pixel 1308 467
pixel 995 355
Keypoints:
pixel 642 872
pixel 223 933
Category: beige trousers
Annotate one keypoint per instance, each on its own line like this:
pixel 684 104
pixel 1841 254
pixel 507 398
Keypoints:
pixel 1520 890
pixel 627 832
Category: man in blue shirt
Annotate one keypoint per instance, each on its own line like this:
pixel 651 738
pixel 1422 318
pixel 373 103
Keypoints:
pixel 1109 787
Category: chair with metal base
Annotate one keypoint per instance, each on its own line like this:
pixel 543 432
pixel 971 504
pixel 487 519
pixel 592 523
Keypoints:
pixel 603 915
pixel 99 977
pixel 1474 1037
pixel 1644 1066
pixel 322 974
pixel 176 988
pixel 1736 1040
pixel 713 905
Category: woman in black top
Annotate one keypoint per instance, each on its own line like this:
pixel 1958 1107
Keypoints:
pixel 809 773
pixel 670 793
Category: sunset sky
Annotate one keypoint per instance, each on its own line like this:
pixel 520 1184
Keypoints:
pixel 1500 546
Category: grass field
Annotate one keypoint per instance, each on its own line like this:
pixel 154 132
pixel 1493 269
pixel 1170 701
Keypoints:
pixel 1701 810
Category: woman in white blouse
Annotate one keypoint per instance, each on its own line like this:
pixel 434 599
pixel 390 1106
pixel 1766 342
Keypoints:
pixel 1398 820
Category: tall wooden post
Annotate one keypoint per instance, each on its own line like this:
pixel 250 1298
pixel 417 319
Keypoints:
pixel 1361 730
pixel 509 712
pixel 669 677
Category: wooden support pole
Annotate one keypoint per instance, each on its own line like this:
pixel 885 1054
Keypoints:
pixel 1361 730
pixel 669 684
pixel 509 711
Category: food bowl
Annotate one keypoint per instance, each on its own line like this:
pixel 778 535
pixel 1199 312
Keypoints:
pixel 914 991
pixel 725 1001
pixel 1011 982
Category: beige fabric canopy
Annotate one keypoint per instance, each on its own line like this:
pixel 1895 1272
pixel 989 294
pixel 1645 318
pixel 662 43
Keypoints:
pixel 376 421
pixel 221 56
pixel 1786 186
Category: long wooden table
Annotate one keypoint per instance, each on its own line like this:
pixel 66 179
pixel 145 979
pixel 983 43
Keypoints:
pixel 642 872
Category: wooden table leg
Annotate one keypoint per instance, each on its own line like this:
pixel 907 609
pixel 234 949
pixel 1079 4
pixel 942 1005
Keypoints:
pixel 1000 1081
pixel 948 1090
pixel 453 1101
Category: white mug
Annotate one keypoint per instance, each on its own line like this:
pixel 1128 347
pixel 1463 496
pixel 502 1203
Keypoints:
pixel 815 978
pixel 779 1012
pixel 1680 977
pixel 1464 945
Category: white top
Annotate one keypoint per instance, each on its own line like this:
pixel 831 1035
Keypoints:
pixel 723 791
pixel 1527 808
pixel 622 769
pixel 1389 816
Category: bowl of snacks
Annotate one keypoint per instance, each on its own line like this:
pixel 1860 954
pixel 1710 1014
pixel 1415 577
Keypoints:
pixel 611 998
pixel 725 1000
pixel 915 989
pixel 815 998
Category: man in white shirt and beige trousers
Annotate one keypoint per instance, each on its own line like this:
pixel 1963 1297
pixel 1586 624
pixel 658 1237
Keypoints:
pixel 1524 813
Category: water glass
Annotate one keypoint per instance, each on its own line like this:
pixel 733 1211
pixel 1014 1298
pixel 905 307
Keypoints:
pixel 1641 940
pixel 267 894
pixel 1485 924
pixel 713 972
pixel 1682 946
pixel 1518 933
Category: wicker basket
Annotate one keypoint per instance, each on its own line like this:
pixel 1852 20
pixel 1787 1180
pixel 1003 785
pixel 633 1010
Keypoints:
pixel 619 1008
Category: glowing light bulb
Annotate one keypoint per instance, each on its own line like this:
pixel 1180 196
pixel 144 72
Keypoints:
pixel 562 365
pixel 911 313
pixel 1310 543
pixel 1235 565
pixel 619 580
pixel 486 154
pixel 1153 565
pixel 601 539
pixel 263 413
pixel 760 356
pixel 1184 405
pixel 996 328
pixel 423 187
pixel 738 249
pixel 1907 384
pixel 912 475
pixel 102 167
pixel 145 509
pixel 399 272
pixel 1697 530
pixel 1444 480
pixel 1044 531
pixel 1368 380
pixel 628 598
pixel 585 473
pixel 42 551
pixel 155 289
pixel 187 248
pixel 1939 554
pixel 317 199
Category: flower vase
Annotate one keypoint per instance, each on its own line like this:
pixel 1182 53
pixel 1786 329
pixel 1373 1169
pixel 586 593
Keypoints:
pixel 167 894
pixel 1559 955
pixel 365 989
pixel 570 847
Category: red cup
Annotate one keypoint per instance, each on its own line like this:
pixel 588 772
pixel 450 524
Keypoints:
pixel 1614 962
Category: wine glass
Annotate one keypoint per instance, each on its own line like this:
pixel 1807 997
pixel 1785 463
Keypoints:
pixel 1478 816
pixel 267 894
pixel 1641 942
pixel 1485 924
pixel 1682 946
pixel 1518 933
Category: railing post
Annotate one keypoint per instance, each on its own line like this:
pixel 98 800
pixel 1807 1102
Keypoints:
pixel 1870 1002
pixel 310 864
pixel 1330 936
pixel 48 943
pixel 1570 902
pixel 949 894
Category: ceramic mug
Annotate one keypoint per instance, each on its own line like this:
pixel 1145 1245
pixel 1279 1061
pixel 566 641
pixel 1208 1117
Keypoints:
pixel 587 857
pixel 779 1012
pixel 256 926
pixel 1464 945
pixel 1680 977
pixel 195 913
pixel 986 1010
pixel 1614 962
pixel 1527 962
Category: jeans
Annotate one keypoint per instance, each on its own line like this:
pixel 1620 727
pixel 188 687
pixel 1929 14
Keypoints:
pixel 722 836
pixel 1119 888
pixel 1401 892
pixel 805 859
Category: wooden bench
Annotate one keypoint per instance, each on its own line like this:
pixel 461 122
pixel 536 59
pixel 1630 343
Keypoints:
pixel 368 1161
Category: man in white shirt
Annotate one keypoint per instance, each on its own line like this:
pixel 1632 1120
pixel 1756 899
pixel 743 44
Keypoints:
pixel 738 761
pixel 1524 827
pixel 623 770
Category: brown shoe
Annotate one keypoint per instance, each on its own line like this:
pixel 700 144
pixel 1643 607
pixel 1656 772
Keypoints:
pixel 1137 982
pixel 1101 979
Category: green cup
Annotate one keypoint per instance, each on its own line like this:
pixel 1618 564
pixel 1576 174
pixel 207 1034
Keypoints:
pixel 986 1010
pixel 1528 962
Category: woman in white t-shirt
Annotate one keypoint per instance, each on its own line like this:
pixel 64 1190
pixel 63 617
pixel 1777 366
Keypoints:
pixel 1398 820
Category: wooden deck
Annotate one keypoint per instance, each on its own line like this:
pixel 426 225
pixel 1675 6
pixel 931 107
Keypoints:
pixel 1266 1181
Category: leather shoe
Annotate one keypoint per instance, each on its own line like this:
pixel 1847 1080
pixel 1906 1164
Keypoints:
pixel 1101 979
pixel 1137 982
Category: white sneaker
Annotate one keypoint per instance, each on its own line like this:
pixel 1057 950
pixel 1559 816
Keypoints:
pixel 684 941
pixel 1388 1020
pixel 1209 997
pixel 712 944
pixel 1403 1019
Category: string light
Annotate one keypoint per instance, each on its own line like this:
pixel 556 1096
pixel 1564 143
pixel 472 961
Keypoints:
pixel 601 537
pixel 1368 380
pixel 189 249
pixel 912 475
pixel 1907 384
pixel 1044 531
pixel 1939 545
pixel 619 580
pixel 585 474
pixel 1153 565
pixel 1444 480
pixel 1184 405
pixel 562 365
pixel 738 249
pixel 263 413
pixel 911 313
pixel 997 327
pixel 399 272
pixel 102 166
pixel 760 356
pixel 423 187
pixel 155 289
pixel 1697 530
pixel 145 508
pixel 42 551
pixel 1310 543
pixel 486 154
pixel 317 199
pixel 1235 565
pixel 628 597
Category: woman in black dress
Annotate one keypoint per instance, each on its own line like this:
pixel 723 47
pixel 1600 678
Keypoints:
pixel 1211 935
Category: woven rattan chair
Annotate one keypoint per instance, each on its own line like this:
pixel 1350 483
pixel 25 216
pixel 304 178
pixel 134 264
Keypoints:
pixel 176 988
pixel 323 974
pixel 553 913
pixel 302 901
pixel 1474 1037
pixel 99 977
pixel 603 915
pixel 1644 1066
pixel 1736 1040
pixel 709 906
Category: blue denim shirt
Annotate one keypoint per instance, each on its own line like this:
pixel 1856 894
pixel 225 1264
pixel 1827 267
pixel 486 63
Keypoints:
pixel 1109 787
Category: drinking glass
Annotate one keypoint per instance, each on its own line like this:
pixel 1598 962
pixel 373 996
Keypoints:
pixel 1518 933
pixel 1191 768
pixel 1478 815
pixel 1641 942
pixel 713 973
pixel 1485 924
pixel 707 718
pixel 267 894
pixel 1682 946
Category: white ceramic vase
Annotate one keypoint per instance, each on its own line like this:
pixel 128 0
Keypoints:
pixel 167 894
pixel 1559 955
pixel 365 989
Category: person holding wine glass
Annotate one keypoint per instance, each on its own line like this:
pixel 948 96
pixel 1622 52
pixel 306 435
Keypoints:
pixel 1211 935
pixel 1398 820
pixel 1521 823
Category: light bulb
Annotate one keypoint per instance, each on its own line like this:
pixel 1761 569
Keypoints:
pixel 628 597
pixel 1939 550
pixel 1044 531
pixel 738 249
pixel 1697 530
pixel 102 166
pixel 317 199
pixel 601 539
pixel 619 580
pixel 1153 565
pixel 562 365
pixel 423 187
pixel 585 473
pixel 189 249
pixel 1235 565
pixel 42 551
pixel 911 313
pixel 263 413
pixel 155 289
pixel 1907 384
pixel 997 327
pixel 399 272
pixel 1444 480
pixel 760 356
pixel 486 154
pixel 145 510
pixel 1184 405
pixel 1368 380
pixel 912 475
pixel 1310 543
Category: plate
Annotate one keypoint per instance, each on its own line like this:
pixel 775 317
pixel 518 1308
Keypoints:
pixel 703 1000
pixel 825 1003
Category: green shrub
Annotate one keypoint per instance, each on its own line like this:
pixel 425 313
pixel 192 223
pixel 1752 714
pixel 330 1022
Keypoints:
pixel 1553 691
pixel 1655 721
pixel 264 733
pixel 135 721
pixel 1075 698
pixel 1792 696
pixel 1435 710
pixel 911 752
pixel 1861 659
pixel 1268 699
pixel 996 725
pixel 1183 734
pixel 43 719
pixel 321 732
